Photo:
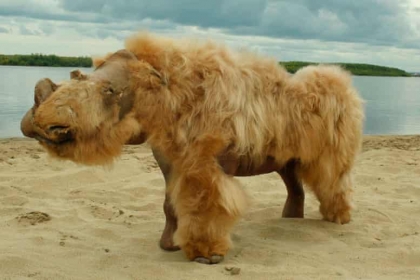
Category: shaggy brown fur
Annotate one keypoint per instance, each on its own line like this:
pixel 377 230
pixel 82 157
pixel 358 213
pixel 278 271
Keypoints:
pixel 231 165
pixel 198 101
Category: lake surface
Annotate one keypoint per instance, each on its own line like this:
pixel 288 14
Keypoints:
pixel 392 104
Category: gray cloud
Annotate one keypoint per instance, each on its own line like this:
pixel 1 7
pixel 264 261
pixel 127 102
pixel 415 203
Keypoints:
pixel 373 22
pixel 47 28
pixel 4 30
pixel 216 13
pixel 370 21
pixel 386 32
pixel 25 31
pixel 118 30
pixel 35 11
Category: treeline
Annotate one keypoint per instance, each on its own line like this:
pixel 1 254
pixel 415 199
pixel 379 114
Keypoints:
pixel 45 60
pixel 358 69
pixel 291 66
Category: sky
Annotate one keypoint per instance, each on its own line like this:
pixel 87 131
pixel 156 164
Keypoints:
pixel 383 32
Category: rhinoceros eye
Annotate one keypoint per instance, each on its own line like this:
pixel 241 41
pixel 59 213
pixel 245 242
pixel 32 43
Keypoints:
pixel 108 90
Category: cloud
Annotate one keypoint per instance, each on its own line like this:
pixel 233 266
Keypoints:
pixel 368 21
pixel 46 10
pixel 385 32
pixel 216 13
pixel 25 31
pixel 47 28
pixel 372 22
pixel 4 30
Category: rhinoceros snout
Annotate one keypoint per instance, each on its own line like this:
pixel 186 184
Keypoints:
pixel 27 126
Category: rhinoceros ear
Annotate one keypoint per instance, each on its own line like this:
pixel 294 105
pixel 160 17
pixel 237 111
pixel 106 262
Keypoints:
pixel 43 89
pixel 158 77
pixel 148 76
pixel 77 75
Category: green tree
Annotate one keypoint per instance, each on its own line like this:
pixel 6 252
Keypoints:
pixel 45 60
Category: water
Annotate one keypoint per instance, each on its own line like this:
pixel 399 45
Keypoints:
pixel 392 104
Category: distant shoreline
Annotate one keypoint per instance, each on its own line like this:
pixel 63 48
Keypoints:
pixel 45 60
pixel 357 69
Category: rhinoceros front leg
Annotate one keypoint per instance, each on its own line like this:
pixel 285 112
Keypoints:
pixel 207 201
pixel 294 206
pixel 171 222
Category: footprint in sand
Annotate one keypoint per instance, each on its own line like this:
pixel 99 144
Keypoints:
pixel 151 165
pixel 64 238
pixel 33 218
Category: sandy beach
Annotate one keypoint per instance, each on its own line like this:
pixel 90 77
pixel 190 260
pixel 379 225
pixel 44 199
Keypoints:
pixel 59 220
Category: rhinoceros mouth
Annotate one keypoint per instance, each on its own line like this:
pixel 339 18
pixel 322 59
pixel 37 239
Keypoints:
pixel 53 142
pixel 56 135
